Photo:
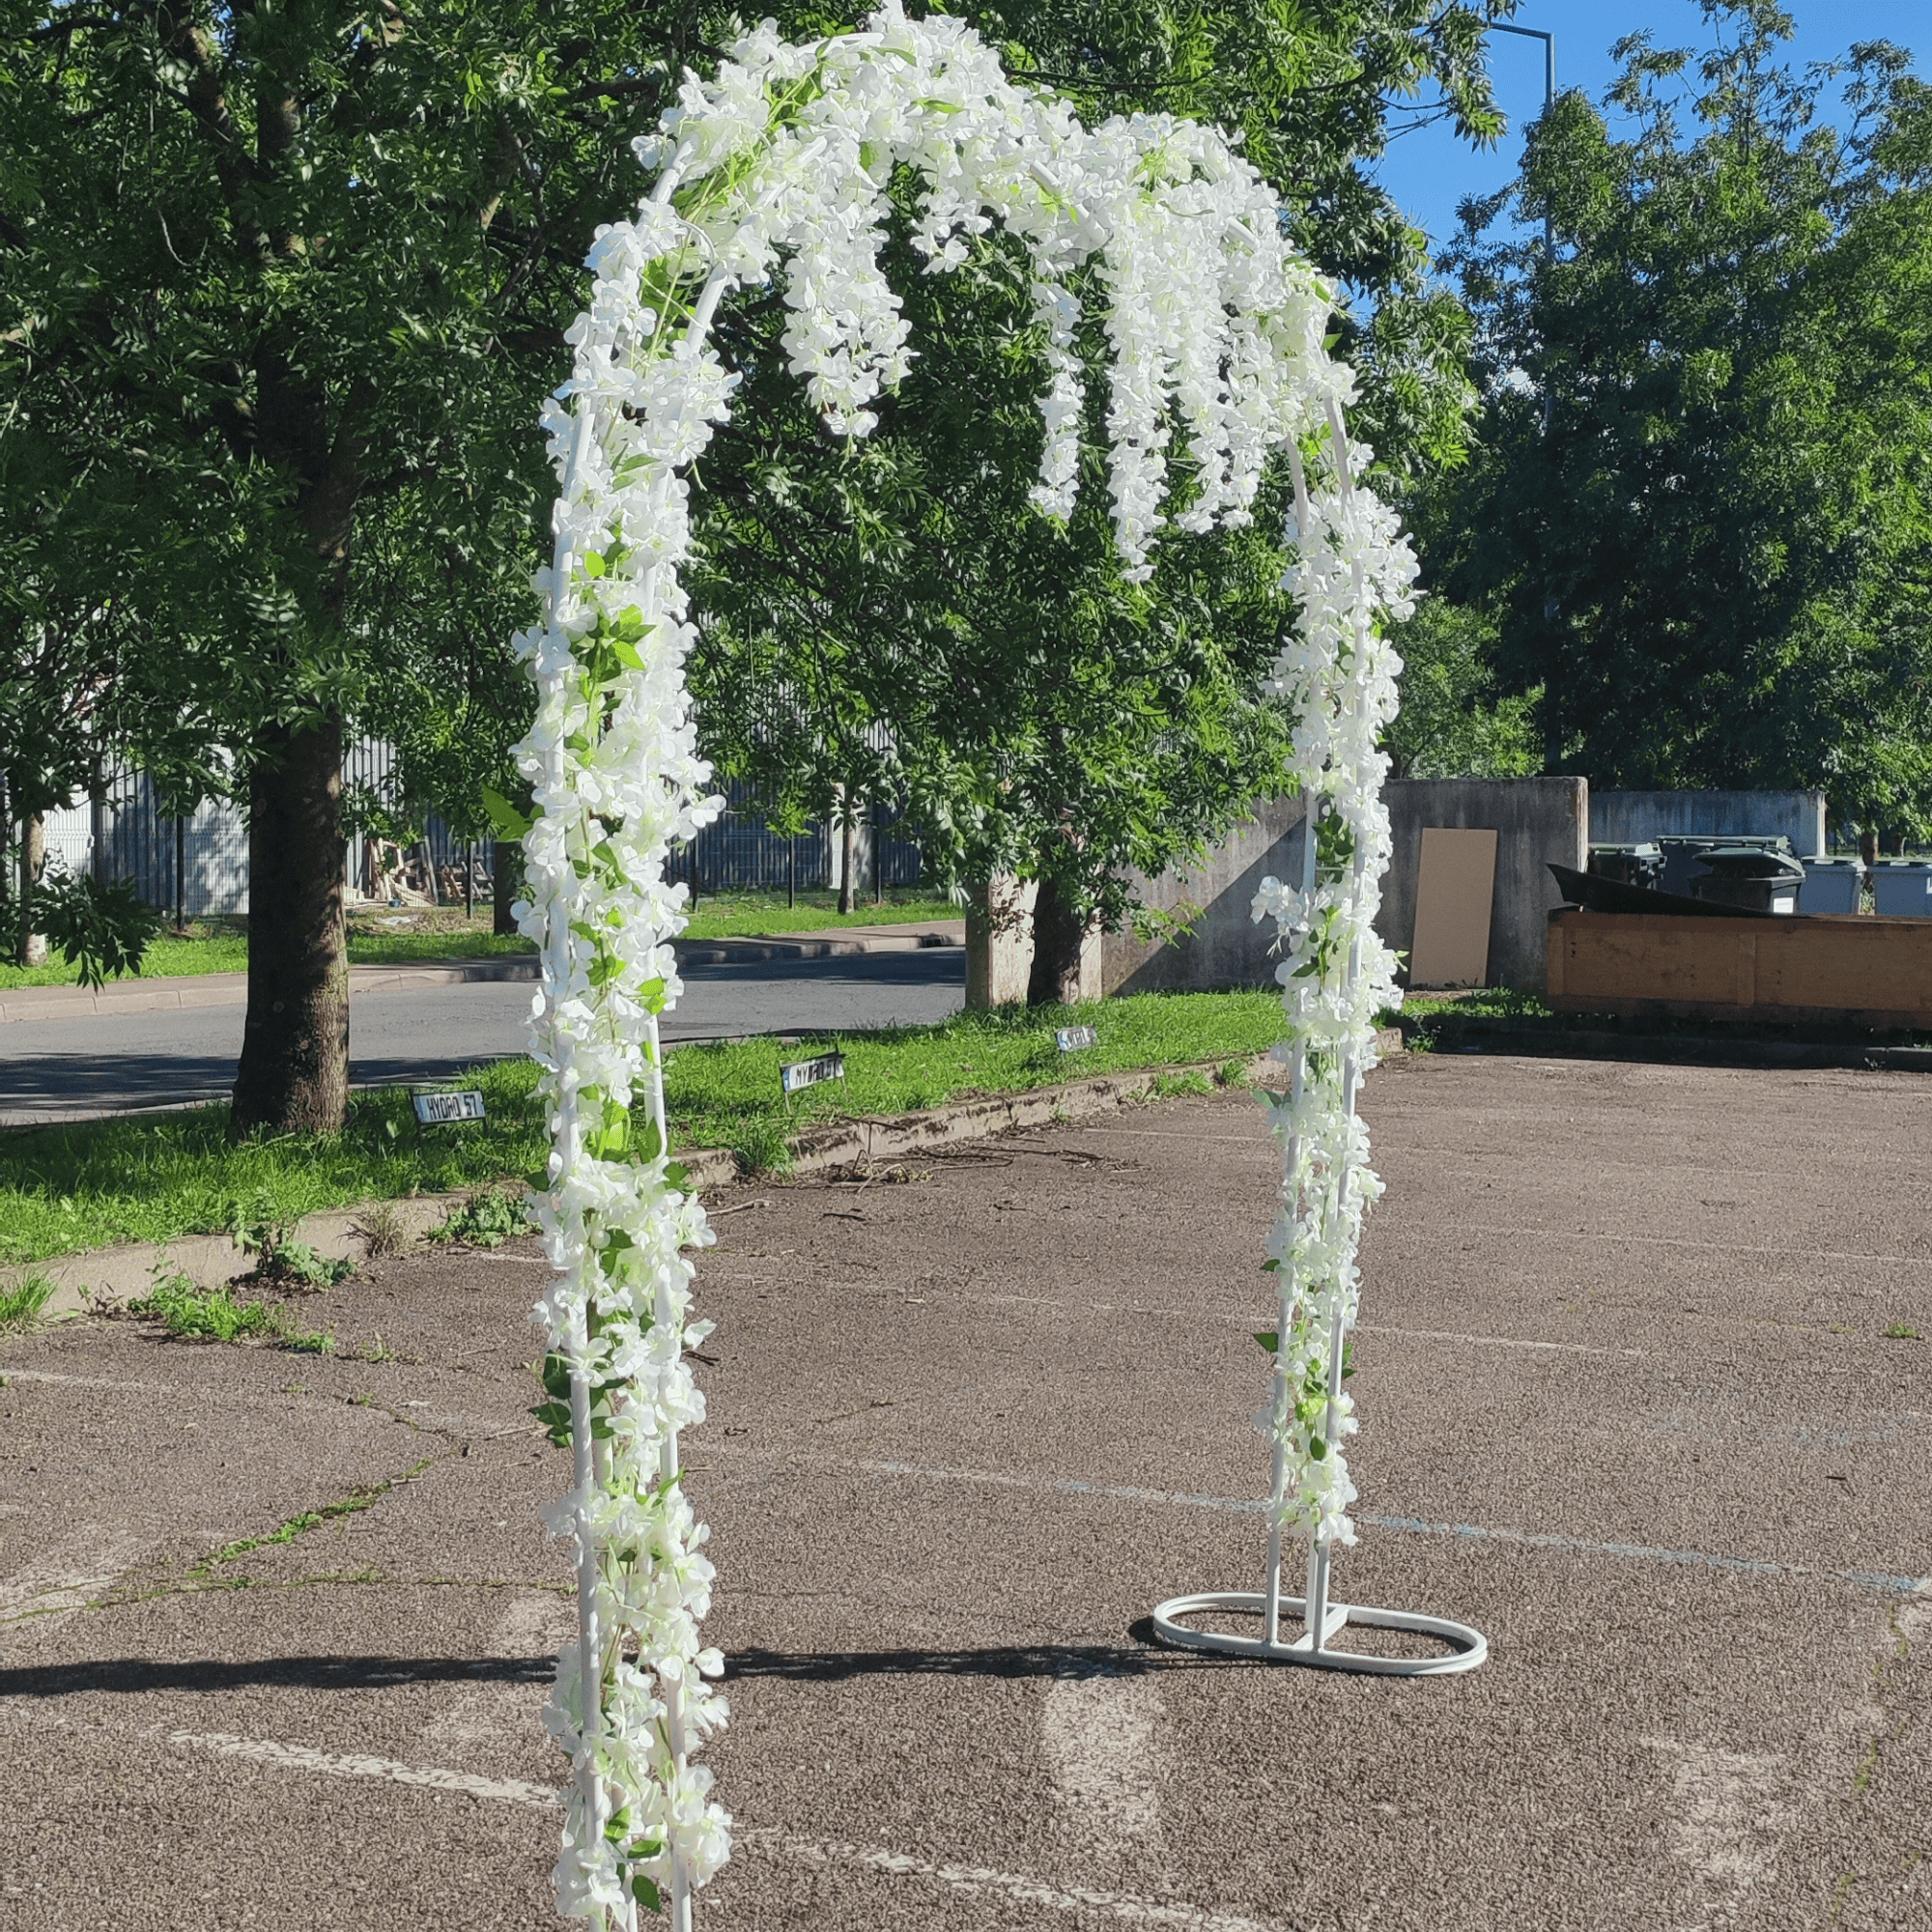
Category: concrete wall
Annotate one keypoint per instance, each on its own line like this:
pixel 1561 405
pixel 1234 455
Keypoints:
pixel 1629 817
pixel 999 942
pixel 1224 946
pixel 1535 820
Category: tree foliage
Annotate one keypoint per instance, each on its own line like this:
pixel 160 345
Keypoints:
pixel 279 288
pixel 893 616
pixel 1715 561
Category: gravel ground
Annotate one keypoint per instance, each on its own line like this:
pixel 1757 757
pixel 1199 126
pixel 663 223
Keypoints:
pixel 1627 1405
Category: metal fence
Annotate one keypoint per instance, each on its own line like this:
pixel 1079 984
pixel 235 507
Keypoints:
pixel 739 853
pixel 202 864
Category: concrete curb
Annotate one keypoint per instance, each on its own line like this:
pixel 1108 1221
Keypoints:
pixel 728 951
pixel 231 989
pixel 118 1274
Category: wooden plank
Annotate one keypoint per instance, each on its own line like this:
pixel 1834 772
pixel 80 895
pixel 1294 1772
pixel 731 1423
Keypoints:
pixel 1844 970
pixel 1453 895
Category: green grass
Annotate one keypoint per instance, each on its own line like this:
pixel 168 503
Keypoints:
pixel 221 946
pixel 750 914
pixel 1499 1003
pixel 71 1187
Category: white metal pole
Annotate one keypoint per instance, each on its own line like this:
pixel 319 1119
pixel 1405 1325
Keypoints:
pixel 1320 1554
pixel 557 948
pixel 1316 1608
pixel 1285 1276
pixel 672 1693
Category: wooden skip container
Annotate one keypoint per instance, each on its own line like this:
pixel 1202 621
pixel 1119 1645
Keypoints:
pixel 1845 970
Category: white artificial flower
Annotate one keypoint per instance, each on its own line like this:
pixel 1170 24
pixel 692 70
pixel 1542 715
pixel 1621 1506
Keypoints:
pixel 1214 328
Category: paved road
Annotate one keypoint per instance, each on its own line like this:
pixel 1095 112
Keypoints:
pixel 95 1064
pixel 1628 1404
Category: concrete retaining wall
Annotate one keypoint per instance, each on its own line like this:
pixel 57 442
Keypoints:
pixel 1535 820
pixel 1629 817
pixel 1223 946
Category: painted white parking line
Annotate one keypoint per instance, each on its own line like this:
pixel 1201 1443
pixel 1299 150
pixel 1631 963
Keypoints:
pixel 1808 1256
pixel 334 1764
pixel 1124 1907
pixel 1102 1738
pixel 1414 1526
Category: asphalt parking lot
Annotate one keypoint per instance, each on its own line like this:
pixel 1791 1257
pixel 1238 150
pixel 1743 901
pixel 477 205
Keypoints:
pixel 275 1630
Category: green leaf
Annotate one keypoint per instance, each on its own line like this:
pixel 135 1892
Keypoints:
pixel 646 1893
pixel 1269 1339
pixel 510 823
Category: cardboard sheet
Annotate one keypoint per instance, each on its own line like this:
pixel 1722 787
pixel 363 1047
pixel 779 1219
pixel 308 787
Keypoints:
pixel 1451 908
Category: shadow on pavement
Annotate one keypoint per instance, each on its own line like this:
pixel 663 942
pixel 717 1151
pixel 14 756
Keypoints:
pixel 1050 1660
pixel 137 1674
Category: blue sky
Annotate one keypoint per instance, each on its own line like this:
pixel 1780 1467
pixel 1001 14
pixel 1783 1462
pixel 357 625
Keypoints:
pixel 1429 171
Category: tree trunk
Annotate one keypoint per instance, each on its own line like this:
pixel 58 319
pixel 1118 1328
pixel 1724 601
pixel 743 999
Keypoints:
pixel 33 860
pixel 504 871
pixel 1868 846
pixel 1060 945
pixel 847 898
pixel 293 1075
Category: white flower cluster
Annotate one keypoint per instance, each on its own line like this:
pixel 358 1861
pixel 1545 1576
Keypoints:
pixel 784 166
pixel 1338 675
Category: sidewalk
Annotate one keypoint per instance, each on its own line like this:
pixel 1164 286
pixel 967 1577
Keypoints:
pixel 231 989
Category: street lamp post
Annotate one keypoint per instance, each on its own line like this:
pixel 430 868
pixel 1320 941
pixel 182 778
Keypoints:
pixel 1553 750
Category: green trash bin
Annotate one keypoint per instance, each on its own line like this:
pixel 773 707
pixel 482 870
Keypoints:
pixel 1750 876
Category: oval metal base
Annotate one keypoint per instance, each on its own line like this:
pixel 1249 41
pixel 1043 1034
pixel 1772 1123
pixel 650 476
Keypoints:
pixel 1474 1646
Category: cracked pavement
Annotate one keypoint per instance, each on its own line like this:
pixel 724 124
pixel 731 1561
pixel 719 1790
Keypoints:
pixel 275 1630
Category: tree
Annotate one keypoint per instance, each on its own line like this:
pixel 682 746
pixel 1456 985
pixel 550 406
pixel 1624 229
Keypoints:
pixel 896 616
pixel 276 282
pixel 1715 561
pixel 1454 723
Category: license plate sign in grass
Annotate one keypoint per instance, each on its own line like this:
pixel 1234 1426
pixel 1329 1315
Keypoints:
pixel 435 1110
pixel 796 1075
pixel 1071 1039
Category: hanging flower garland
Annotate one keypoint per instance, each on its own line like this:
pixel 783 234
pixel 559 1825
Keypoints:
pixel 782 165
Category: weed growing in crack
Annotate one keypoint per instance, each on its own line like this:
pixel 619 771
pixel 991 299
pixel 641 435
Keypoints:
pixel 490 1217
pixel 760 1146
pixel 1171 1086
pixel 383 1230
pixel 357 1500
pixel 280 1258
pixel 20 1305
pixel 192 1314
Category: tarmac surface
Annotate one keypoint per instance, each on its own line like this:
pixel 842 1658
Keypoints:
pixel 91 1064
pixel 275 1630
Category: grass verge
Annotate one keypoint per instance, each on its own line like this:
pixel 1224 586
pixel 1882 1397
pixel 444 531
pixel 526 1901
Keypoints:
pixel 378 938
pixel 67 1188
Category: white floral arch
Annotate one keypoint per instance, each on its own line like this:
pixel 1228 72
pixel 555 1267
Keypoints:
pixel 1215 332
